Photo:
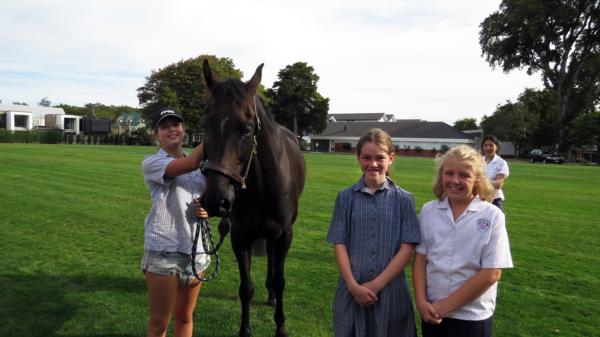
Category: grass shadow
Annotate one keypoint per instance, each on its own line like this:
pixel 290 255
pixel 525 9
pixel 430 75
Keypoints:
pixel 39 305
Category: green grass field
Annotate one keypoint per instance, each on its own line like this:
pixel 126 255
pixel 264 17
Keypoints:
pixel 71 238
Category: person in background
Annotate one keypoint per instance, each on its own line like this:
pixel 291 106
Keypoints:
pixel 465 246
pixel 495 168
pixel 175 185
pixel 374 228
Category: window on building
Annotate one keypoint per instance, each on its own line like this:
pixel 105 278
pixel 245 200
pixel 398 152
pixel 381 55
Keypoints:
pixel 21 121
pixel 69 123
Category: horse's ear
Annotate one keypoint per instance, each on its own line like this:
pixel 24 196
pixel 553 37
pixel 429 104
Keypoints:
pixel 209 76
pixel 252 85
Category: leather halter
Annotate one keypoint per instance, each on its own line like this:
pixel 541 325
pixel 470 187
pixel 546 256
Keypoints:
pixel 233 173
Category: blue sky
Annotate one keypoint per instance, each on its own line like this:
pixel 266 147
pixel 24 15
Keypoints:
pixel 414 59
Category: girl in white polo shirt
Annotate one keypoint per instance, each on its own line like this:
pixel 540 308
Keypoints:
pixel 495 168
pixel 464 248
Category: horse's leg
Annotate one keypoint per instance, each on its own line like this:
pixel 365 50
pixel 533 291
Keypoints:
pixel 280 249
pixel 269 279
pixel 246 290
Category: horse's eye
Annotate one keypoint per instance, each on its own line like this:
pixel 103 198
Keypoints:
pixel 247 131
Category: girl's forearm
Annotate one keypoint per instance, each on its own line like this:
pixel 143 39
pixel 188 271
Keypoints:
pixel 343 261
pixel 419 277
pixel 187 164
pixel 396 265
pixel 470 290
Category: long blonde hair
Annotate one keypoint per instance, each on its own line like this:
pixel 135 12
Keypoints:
pixel 469 156
pixel 381 139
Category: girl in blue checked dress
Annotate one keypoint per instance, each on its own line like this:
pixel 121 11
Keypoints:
pixel 374 229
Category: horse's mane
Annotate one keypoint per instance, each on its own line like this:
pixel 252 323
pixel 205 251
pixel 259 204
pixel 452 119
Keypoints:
pixel 266 114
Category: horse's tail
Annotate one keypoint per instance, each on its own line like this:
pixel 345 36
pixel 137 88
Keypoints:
pixel 259 247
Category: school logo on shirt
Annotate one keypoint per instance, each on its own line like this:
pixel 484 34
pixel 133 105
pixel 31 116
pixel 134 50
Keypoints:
pixel 483 225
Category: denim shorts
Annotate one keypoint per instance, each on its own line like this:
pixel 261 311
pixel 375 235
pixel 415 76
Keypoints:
pixel 174 264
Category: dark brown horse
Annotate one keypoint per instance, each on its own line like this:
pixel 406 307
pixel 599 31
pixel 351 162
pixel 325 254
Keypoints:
pixel 255 174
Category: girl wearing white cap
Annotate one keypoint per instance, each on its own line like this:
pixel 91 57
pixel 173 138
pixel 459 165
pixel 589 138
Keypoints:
pixel 175 185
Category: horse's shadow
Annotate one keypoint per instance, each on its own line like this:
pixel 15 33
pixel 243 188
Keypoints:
pixel 40 305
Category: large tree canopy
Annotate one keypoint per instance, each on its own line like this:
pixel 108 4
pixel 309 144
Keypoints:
pixel 181 86
pixel 295 102
pixel 540 106
pixel 524 122
pixel 466 124
pixel 585 131
pixel 559 38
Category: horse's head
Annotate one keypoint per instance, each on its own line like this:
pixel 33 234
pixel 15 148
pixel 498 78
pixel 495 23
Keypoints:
pixel 231 124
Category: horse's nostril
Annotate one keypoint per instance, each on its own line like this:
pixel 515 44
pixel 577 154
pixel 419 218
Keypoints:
pixel 224 206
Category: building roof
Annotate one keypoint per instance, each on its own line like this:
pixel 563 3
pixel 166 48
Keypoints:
pixel 373 116
pixel 34 110
pixel 409 128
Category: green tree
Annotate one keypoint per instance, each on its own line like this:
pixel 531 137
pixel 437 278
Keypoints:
pixel 295 101
pixel 586 94
pixel 71 109
pixel 181 86
pixel 540 107
pixel 98 110
pixel 513 122
pixel 466 124
pixel 585 131
pixel 558 38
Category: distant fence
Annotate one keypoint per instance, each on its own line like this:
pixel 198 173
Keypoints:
pixel 58 137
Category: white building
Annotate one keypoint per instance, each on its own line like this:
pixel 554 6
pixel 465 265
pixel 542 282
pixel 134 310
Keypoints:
pixel 26 118
pixel 342 134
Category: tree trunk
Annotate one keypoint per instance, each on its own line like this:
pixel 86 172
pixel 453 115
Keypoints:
pixel 563 146
pixel 295 126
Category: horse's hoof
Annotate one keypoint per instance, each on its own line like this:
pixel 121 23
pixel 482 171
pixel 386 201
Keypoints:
pixel 281 333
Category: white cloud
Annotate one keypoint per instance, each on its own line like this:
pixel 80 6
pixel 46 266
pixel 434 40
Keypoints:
pixel 415 59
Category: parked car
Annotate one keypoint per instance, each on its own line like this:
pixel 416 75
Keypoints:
pixel 538 155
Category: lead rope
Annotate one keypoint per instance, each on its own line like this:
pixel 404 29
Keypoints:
pixel 203 226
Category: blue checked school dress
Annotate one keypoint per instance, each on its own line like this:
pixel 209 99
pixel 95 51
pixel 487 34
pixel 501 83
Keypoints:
pixel 372 227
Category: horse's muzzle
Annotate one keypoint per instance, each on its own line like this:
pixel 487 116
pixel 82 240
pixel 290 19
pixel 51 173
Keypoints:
pixel 224 207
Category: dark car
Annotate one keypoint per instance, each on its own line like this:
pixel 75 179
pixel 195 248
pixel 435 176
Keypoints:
pixel 538 155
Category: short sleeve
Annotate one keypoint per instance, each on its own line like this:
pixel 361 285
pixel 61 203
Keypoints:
pixel 504 168
pixel 154 167
pixel 338 227
pixel 422 247
pixel 496 253
pixel 411 232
